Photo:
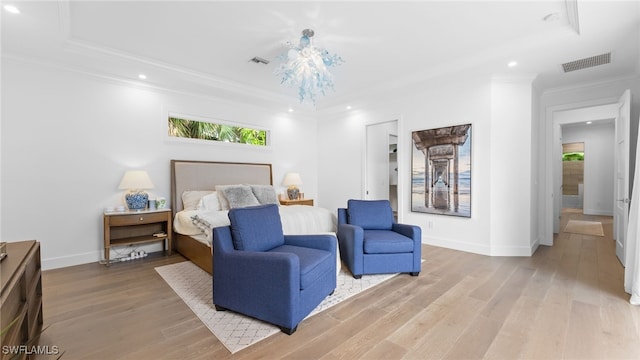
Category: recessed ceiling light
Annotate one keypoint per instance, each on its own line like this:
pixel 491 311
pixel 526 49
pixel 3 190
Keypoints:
pixel 12 9
pixel 348 107
pixel 589 122
pixel 290 109
pixel 142 76
pixel 512 63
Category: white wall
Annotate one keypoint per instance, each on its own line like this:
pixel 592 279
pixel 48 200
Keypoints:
pixel 511 177
pixel 68 138
pixel 599 173
pixel 443 102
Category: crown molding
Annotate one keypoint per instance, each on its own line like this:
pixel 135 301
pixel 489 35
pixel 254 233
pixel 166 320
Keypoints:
pixel 572 15
pixel 507 78
pixel 227 97
pixel 608 81
pixel 93 50
pixel 85 48
pixel 64 18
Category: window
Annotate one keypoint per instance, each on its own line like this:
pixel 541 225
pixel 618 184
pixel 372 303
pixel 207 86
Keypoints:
pixel 183 127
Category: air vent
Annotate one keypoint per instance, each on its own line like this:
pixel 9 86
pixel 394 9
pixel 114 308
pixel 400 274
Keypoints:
pixel 587 62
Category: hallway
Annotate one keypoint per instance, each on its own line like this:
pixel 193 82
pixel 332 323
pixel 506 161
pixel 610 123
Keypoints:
pixel 599 323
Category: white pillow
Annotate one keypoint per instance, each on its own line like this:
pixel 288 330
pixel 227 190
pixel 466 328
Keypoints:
pixel 191 198
pixel 209 202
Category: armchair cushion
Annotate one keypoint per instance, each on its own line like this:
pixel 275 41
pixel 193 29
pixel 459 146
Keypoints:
pixel 386 242
pixel 256 228
pixel 313 263
pixel 370 214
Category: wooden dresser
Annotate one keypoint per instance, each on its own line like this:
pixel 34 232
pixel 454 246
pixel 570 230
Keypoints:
pixel 21 296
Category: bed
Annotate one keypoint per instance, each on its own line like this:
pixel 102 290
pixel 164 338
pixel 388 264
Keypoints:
pixel 200 178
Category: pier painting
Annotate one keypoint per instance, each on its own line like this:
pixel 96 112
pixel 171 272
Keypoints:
pixel 441 171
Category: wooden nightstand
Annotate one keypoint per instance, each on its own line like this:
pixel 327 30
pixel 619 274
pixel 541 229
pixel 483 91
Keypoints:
pixel 287 202
pixel 136 227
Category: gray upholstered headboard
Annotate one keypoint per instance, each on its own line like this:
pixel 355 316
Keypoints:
pixel 205 175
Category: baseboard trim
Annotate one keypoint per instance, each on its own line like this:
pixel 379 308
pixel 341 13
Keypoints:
pixel 521 251
pixel 71 260
pixel 457 245
pixel 597 212
pixel 89 257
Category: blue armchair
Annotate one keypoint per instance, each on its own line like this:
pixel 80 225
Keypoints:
pixel 371 242
pixel 259 272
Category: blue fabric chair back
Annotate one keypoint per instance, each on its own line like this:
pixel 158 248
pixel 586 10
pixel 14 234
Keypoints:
pixel 370 214
pixel 256 228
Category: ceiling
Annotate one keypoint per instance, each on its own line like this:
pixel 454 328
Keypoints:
pixel 204 47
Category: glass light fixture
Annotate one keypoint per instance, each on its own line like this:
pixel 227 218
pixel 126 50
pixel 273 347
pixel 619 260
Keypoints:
pixel 307 67
pixel 136 181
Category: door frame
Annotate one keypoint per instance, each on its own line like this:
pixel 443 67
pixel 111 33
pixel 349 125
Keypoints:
pixel 550 211
pixel 383 149
pixel 401 162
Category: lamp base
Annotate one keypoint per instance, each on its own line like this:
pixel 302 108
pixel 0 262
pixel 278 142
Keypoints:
pixel 293 193
pixel 137 201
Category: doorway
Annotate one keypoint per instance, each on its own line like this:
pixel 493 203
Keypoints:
pixel 588 166
pixel 573 175
pixel 610 184
pixel 570 126
pixel 381 163
pixel 619 110
pixel 588 178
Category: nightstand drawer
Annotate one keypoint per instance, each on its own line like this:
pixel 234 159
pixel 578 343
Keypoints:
pixel 125 220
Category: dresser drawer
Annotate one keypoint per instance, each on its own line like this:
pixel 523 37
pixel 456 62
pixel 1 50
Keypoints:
pixel 13 304
pixel 125 220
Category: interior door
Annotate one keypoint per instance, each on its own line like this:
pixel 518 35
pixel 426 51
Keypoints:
pixel 557 178
pixel 621 191
pixel 377 160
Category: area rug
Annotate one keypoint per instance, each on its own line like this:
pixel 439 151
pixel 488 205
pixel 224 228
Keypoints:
pixel 237 331
pixel 584 227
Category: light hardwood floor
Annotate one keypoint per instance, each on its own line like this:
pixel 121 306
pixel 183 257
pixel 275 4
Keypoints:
pixel 565 302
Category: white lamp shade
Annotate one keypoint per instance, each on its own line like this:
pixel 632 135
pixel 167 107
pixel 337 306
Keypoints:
pixel 135 179
pixel 292 179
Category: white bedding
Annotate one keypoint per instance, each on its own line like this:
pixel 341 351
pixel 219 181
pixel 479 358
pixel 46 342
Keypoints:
pixel 296 220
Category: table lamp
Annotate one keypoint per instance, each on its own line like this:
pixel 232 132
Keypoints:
pixel 136 181
pixel 292 180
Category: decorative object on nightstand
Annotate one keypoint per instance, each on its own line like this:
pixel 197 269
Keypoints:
pixel 161 203
pixel 292 180
pixel 136 181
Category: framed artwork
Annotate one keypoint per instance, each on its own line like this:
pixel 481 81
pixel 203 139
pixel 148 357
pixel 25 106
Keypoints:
pixel 441 171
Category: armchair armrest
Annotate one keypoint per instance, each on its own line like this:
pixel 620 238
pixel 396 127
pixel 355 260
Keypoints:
pixel 274 274
pixel 414 232
pixel 275 268
pixel 351 241
pixel 411 231
pixel 316 241
pixel 351 234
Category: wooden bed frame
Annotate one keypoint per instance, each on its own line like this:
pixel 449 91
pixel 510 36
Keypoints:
pixel 205 175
